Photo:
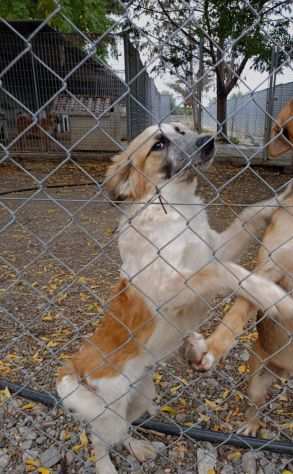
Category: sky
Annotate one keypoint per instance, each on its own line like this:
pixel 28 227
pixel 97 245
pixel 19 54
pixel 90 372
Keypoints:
pixel 254 79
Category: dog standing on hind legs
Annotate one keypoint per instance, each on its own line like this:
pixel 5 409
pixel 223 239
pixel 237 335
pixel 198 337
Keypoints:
pixel 167 248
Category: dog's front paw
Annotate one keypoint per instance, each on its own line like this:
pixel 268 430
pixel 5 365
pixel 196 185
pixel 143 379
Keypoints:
pixel 197 353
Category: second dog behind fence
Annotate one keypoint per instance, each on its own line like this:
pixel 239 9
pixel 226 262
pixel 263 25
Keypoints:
pixel 169 271
pixel 271 356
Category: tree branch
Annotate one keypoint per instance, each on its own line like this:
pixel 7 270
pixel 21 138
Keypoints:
pixel 280 4
pixel 207 19
pixel 236 76
pixel 190 38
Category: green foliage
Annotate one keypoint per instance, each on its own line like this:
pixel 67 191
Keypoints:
pixel 234 32
pixel 87 15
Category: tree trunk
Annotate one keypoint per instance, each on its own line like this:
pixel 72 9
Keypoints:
pixel 221 116
pixel 195 112
pixel 221 110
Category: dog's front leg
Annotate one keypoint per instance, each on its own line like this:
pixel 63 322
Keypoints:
pixel 256 292
pixel 204 353
pixel 230 244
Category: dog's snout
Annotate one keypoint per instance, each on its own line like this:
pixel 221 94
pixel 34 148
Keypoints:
pixel 205 142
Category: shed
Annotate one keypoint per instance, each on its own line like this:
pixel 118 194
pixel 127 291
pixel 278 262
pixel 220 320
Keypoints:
pixel 57 80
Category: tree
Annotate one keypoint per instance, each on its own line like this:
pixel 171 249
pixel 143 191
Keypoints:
pixel 91 16
pixel 234 32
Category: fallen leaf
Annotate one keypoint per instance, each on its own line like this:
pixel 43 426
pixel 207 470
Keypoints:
pixel 4 395
pixel 48 317
pixel 175 389
pixel 44 470
pixel 234 456
pixel 225 393
pixel 82 280
pixel 28 406
pixel 52 344
pixel 92 458
pixel 157 377
pixel 168 409
pixel 213 405
pixel 76 448
pixel 242 369
pixel 84 439
pixel 32 462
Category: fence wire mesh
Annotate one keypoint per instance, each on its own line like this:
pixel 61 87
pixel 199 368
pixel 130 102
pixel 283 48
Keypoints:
pixel 133 260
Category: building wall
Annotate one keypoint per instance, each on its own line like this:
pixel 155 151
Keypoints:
pixel 114 124
pixel 246 114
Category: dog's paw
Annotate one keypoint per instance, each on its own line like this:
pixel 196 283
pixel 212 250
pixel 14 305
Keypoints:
pixel 197 353
pixel 142 450
pixel 250 427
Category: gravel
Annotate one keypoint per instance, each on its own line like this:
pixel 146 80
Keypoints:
pixel 249 463
pixel 206 459
pixel 50 457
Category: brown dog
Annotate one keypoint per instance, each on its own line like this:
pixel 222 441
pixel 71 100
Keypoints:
pixel 272 353
pixel 282 131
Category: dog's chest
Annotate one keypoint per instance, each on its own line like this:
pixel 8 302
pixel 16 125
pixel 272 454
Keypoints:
pixel 156 246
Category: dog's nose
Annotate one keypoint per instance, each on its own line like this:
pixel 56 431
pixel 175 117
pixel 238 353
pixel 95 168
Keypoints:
pixel 205 142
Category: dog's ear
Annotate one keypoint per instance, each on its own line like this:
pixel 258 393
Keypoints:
pixel 282 131
pixel 117 177
pixel 124 180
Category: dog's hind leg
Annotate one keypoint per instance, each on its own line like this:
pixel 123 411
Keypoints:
pixel 141 403
pixel 259 384
pixel 108 430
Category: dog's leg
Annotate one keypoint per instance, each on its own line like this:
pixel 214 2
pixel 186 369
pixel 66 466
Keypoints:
pixel 216 278
pixel 143 399
pixel 259 384
pixel 141 403
pixel 108 430
pixel 260 293
pixel 230 244
pixel 205 353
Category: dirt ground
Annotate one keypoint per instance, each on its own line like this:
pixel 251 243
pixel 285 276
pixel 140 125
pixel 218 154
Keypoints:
pixel 58 262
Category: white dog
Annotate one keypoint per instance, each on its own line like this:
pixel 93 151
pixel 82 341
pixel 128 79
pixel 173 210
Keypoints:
pixel 172 263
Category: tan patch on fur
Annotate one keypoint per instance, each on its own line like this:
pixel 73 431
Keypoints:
pixel 280 145
pixel 132 173
pixel 119 337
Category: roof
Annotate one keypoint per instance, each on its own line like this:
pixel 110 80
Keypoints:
pixel 62 55
pixel 68 105
pixel 25 27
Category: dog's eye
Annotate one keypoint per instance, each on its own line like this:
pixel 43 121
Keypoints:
pixel 158 146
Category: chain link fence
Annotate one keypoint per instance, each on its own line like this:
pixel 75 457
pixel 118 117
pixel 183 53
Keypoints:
pixel 167 250
pixel 247 120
